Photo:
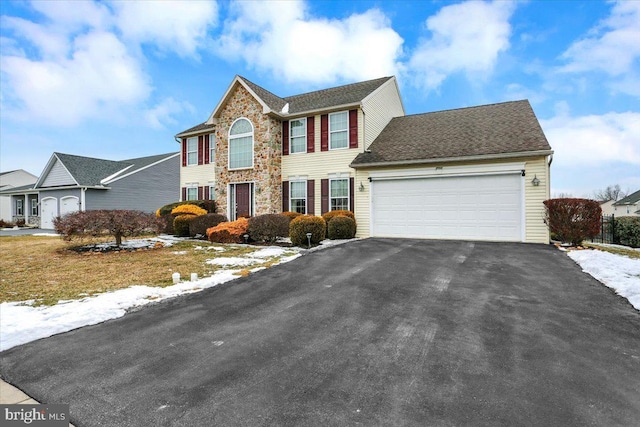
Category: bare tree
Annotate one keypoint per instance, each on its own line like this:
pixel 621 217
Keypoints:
pixel 612 192
pixel 562 195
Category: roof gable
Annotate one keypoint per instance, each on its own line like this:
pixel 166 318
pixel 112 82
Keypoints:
pixel 488 130
pixel 631 199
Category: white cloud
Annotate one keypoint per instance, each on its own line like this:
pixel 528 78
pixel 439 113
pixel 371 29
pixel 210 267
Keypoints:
pixel 612 46
pixel 593 140
pixel 465 37
pixel 70 63
pixel 176 26
pixel 281 38
pixel 162 114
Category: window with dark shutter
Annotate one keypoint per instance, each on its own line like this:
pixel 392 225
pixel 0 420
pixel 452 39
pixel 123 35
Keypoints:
pixel 285 196
pixel 184 151
pixel 200 149
pixel 351 194
pixel 353 129
pixel 285 138
pixel 324 196
pixel 324 132
pixel 311 134
pixel 184 193
pixel 207 160
pixel 311 199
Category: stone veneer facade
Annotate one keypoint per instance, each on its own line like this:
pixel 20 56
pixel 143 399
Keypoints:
pixel 267 154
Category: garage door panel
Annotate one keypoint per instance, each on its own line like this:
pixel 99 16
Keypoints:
pixel 481 207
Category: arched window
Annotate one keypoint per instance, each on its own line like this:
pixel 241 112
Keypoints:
pixel 241 145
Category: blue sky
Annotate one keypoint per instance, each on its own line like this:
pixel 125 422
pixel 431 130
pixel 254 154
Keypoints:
pixel 118 80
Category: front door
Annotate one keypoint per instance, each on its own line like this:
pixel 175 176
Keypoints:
pixel 243 200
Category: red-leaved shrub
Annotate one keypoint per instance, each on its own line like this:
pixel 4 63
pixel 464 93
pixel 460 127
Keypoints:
pixel 573 220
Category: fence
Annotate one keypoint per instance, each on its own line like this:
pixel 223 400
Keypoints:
pixel 607 231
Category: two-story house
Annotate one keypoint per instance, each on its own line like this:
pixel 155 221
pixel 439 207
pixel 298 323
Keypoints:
pixel 474 173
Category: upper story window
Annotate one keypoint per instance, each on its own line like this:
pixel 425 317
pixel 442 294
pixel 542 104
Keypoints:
pixel 192 151
pixel 212 148
pixel 338 130
pixel 241 145
pixel 298 136
pixel 339 194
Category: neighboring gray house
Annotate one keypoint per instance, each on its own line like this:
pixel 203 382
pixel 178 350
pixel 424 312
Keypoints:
pixel 9 180
pixel 71 183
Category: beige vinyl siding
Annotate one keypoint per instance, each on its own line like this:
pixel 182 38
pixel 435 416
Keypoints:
pixel 203 175
pixel 536 230
pixel 319 164
pixel 379 108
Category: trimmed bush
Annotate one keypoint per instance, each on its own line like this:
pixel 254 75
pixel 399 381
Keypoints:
pixel 628 230
pixel 341 227
pixel 573 220
pixel 291 215
pixel 188 210
pixel 166 222
pixel 117 223
pixel 208 205
pixel 181 225
pixel 199 224
pixel 300 226
pixel 267 228
pixel 229 232
pixel 332 214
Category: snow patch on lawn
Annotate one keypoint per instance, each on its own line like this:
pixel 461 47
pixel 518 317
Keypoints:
pixel 618 272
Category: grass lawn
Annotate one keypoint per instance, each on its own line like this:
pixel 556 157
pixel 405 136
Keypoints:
pixel 44 269
pixel 618 250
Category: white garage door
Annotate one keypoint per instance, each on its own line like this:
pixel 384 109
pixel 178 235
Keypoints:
pixel 485 207
pixel 49 209
pixel 69 204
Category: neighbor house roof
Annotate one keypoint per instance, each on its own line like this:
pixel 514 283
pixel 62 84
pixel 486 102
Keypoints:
pixel 93 172
pixel 288 106
pixel 496 130
pixel 631 199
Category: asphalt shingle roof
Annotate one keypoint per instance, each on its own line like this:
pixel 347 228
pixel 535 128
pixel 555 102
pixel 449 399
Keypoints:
pixel 629 200
pixel 508 127
pixel 197 128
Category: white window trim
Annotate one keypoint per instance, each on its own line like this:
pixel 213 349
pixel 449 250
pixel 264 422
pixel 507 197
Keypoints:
pixel 346 130
pixel 348 197
pixel 212 148
pixel 231 214
pixel 304 135
pixel 306 196
pixel 34 207
pixel 19 207
pixel 191 187
pixel 243 135
pixel 212 191
pixel 187 151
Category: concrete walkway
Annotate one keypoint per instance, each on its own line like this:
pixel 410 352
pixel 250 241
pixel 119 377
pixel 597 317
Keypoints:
pixel 10 395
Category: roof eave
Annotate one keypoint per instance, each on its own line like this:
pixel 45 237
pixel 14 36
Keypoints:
pixel 318 110
pixel 453 159
pixel 195 132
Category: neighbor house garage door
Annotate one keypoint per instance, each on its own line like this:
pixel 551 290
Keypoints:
pixel 483 207
pixel 48 211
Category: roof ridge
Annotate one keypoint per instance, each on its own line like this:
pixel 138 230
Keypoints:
pixel 266 90
pixel 287 98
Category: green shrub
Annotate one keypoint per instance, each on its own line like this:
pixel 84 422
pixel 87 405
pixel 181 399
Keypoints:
pixel 267 228
pixel 332 214
pixel 181 225
pixel 628 230
pixel 300 226
pixel 208 205
pixel 341 227
pixel 200 224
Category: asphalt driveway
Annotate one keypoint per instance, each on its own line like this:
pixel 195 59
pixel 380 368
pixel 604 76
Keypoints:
pixel 377 332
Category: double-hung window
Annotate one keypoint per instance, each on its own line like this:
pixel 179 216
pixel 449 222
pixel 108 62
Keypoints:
pixel 338 130
pixel 298 136
pixel 212 192
pixel 34 207
pixel 192 193
pixel 192 151
pixel 339 194
pixel 241 145
pixel 19 207
pixel 298 196
pixel 212 148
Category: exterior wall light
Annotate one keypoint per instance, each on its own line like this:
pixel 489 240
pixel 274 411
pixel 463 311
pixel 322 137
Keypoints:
pixel 361 187
pixel 535 181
